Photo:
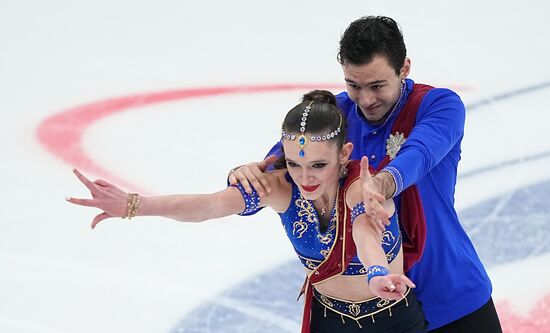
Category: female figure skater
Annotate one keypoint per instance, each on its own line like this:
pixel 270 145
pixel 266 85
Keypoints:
pixel 354 270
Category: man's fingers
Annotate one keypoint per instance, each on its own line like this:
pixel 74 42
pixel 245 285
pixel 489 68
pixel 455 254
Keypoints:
pixel 100 218
pixel 380 225
pixel 260 182
pixel 238 176
pixel 245 178
pixel 267 162
pixel 232 179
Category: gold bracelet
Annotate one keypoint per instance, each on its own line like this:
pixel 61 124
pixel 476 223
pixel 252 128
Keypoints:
pixel 132 205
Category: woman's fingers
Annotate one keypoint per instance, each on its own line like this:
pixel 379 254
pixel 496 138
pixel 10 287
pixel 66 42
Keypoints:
pixel 390 295
pixel 100 218
pixel 364 172
pixel 82 202
pixel 102 183
pixel 393 286
pixel 406 281
pixel 84 180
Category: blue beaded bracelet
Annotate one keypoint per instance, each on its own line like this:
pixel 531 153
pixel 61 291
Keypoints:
pixel 357 210
pixel 376 270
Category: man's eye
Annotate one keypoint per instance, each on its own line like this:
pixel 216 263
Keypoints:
pixel 376 87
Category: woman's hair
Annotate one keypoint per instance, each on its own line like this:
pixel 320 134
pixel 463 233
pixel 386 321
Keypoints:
pixel 323 118
pixel 371 36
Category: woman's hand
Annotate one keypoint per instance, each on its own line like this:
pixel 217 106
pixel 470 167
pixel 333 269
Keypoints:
pixel 391 286
pixel 106 196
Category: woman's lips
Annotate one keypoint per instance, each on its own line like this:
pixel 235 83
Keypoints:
pixel 310 188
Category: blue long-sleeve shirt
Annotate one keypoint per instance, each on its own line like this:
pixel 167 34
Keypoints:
pixel 451 280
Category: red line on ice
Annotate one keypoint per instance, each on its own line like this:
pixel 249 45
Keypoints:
pixel 537 321
pixel 61 133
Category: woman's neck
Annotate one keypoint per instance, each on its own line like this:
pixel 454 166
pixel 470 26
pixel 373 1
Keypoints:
pixel 324 204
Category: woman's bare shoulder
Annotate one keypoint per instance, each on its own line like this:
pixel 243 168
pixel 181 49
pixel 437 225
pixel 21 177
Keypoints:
pixel 281 190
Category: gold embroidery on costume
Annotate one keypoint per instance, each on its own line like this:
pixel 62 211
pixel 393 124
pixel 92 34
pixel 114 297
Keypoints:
pixel 354 309
pixel 299 228
pixel 326 301
pixel 306 209
pixel 325 253
pixel 387 238
pixel 393 144
pixel 363 270
pixel 328 237
pixel 310 265
pixel 382 302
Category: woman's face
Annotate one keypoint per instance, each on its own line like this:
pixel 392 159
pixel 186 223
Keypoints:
pixel 318 171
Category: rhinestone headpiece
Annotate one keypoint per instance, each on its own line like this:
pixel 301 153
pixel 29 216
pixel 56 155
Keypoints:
pixel 302 138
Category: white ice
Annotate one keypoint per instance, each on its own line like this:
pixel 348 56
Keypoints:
pixel 58 276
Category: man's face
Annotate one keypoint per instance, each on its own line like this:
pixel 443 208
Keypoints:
pixel 375 86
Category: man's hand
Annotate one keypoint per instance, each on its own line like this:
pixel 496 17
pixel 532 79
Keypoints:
pixel 252 174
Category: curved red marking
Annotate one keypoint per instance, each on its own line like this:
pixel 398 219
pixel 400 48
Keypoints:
pixel 61 134
pixel 538 320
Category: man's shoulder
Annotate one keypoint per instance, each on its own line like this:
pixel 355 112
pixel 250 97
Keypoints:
pixel 434 92
pixel 344 102
pixel 440 98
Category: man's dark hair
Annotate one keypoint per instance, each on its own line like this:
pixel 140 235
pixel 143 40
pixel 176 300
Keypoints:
pixel 370 36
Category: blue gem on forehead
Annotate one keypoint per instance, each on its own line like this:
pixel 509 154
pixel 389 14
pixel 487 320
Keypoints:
pixel 301 153
pixel 302 141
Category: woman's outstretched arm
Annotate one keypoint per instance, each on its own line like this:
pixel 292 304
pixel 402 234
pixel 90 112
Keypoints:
pixel 114 202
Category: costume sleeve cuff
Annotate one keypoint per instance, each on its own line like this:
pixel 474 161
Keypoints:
pixel 397 179
pixel 251 201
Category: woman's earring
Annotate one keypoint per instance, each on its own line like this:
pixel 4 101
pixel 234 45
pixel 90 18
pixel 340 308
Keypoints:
pixel 343 172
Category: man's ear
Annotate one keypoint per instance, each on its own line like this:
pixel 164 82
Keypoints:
pixel 405 69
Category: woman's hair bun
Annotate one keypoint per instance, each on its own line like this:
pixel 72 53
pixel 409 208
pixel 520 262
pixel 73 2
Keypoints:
pixel 321 96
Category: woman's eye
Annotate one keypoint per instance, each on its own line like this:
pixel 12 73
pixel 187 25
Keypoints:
pixel 319 165
pixel 291 164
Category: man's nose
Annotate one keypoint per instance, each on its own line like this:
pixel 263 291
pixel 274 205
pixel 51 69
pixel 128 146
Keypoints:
pixel 366 99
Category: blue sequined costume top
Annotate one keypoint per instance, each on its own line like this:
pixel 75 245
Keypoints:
pixel 302 227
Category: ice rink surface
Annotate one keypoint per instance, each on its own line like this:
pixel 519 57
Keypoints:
pixel 167 96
